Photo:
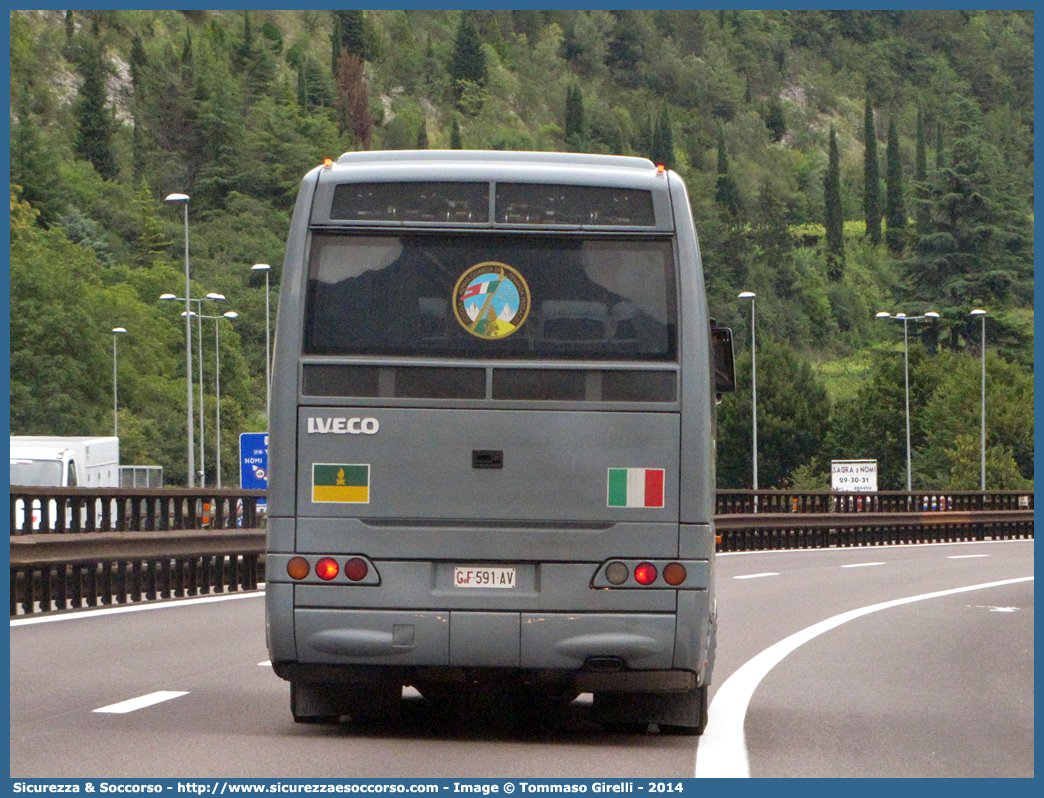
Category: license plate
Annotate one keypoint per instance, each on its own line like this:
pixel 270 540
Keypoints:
pixel 483 576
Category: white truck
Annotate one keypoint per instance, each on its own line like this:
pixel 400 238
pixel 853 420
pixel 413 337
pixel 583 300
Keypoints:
pixel 62 462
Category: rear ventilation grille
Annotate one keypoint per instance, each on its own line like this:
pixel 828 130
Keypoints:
pixel 507 384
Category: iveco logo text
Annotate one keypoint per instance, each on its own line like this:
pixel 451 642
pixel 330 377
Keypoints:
pixel 344 426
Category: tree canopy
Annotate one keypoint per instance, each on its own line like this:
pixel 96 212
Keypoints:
pixel 771 118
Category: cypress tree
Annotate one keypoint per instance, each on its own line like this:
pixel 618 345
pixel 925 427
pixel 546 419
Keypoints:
pixel 469 61
pixel 834 221
pixel 645 135
pixel 138 65
pixel 723 153
pixel 187 57
pixel 348 34
pixel 455 143
pixel 923 212
pixel 939 162
pixel 353 33
pixel 662 150
pixel 726 194
pixel 422 135
pixel 776 124
pixel 335 43
pixel 353 98
pixel 871 177
pixel 574 116
pixel 95 124
pixel 895 208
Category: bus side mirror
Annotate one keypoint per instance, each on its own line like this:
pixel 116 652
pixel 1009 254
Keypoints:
pixel 724 366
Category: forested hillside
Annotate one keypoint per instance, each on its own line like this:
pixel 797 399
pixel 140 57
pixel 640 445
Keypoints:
pixel 840 163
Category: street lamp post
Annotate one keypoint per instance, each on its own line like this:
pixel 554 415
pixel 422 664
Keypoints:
pixel 201 472
pixel 753 390
pixel 931 314
pixel 264 267
pixel 982 431
pixel 188 342
pixel 211 297
pixel 116 332
pixel 231 314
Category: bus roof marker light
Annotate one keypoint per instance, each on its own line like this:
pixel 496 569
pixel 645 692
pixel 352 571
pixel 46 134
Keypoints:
pixel 661 170
pixel 327 163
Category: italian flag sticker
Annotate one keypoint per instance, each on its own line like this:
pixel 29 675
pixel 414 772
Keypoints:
pixel 636 487
pixel 345 484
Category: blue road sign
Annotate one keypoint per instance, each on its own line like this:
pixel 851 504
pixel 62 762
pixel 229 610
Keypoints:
pixel 253 460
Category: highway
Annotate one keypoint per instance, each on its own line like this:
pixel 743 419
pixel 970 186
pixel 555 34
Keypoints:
pixel 941 685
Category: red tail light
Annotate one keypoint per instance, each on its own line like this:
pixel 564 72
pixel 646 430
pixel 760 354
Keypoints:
pixel 645 574
pixel 326 568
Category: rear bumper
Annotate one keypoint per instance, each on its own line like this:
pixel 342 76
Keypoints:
pixel 598 646
pixel 528 640
pixel 546 681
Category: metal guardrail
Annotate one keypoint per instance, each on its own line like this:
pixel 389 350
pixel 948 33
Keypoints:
pixel 731 502
pixel 53 572
pixel 767 531
pixel 166 557
pixel 80 510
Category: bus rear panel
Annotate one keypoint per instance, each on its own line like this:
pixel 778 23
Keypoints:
pixel 492 437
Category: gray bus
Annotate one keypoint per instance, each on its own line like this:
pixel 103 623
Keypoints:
pixel 492 437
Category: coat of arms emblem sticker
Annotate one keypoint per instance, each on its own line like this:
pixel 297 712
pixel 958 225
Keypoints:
pixel 491 300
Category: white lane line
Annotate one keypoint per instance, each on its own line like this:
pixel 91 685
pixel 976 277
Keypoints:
pixel 757 576
pixel 132 704
pixel 266 664
pixel 722 750
pixel 156 605
pixel 861 564
pixel 965 556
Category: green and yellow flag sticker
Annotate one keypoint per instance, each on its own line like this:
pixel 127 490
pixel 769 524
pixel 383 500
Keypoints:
pixel 346 484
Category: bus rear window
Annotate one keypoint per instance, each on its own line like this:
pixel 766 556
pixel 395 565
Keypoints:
pixel 536 203
pixel 411 202
pixel 491 296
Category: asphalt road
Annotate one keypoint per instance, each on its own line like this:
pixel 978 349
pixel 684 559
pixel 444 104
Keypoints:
pixel 942 686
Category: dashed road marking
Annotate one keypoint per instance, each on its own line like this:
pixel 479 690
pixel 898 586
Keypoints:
pixel 965 556
pixel 861 564
pixel 757 576
pixel 132 704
